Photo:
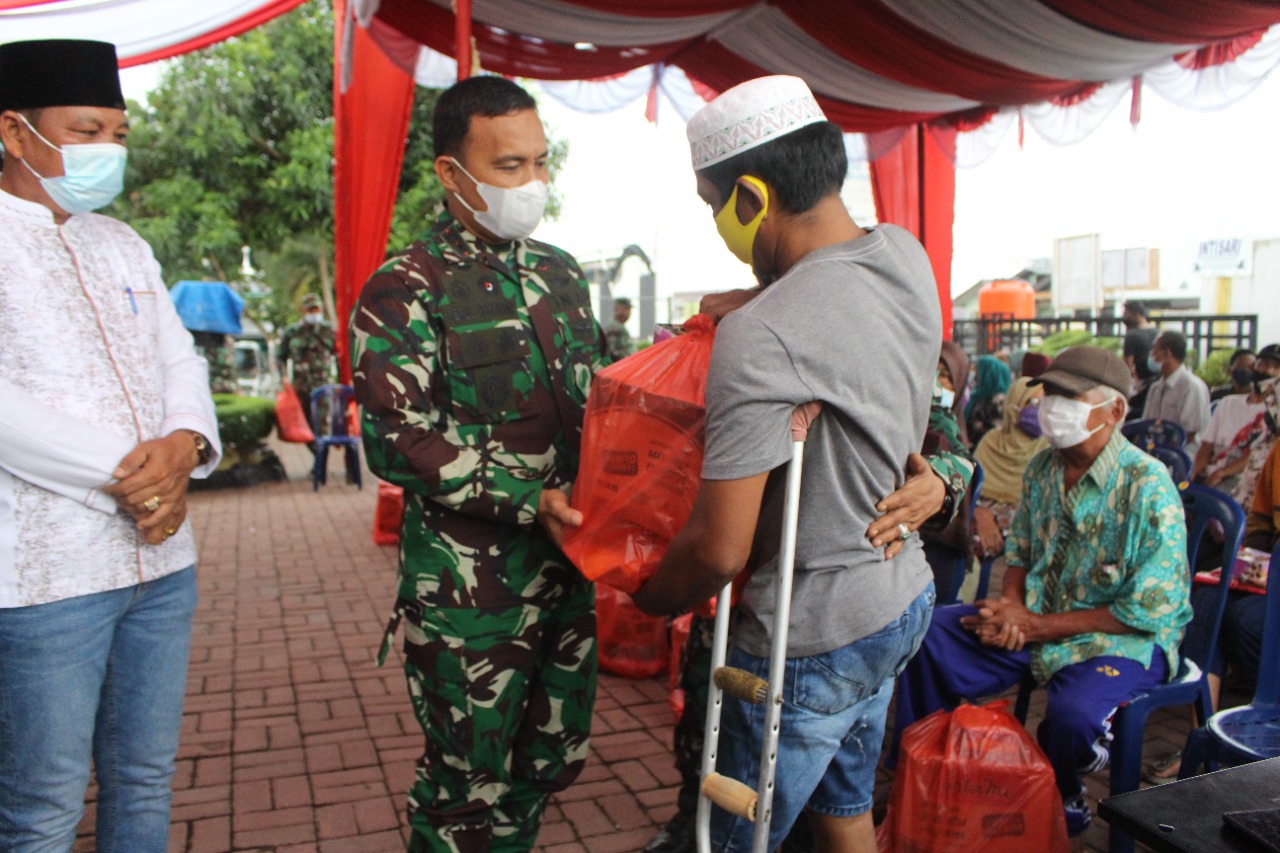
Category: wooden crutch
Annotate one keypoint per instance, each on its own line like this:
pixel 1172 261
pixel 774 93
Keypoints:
pixel 733 795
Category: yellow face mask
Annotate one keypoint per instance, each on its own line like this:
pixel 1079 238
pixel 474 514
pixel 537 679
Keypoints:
pixel 738 237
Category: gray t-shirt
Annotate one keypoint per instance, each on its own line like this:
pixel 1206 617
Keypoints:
pixel 857 326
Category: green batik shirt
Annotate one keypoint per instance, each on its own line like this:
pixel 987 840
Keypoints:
pixel 471 365
pixel 1117 540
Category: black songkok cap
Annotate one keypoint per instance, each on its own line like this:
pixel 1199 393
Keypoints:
pixel 59 73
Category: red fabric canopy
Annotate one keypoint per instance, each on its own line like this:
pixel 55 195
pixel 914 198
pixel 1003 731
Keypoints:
pixel 370 125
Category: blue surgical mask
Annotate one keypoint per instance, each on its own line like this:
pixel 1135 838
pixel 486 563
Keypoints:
pixel 1029 421
pixel 1153 366
pixel 93 174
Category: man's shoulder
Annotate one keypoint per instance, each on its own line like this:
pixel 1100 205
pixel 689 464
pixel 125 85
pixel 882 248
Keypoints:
pixel 555 253
pixel 112 228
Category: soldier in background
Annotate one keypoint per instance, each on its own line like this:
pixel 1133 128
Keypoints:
pixel 472 352
pixel 619 339
pixel 216 349
pixel 310 344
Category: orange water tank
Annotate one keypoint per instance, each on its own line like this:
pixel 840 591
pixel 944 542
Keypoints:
pixel 1010 297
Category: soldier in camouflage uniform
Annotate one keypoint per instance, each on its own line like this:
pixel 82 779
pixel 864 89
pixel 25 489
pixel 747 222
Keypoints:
pixel 310 344
pixel 216 349
pixel 953 463
pixel 473 351
pixel 619 339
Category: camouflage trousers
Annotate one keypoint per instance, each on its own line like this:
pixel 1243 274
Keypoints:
pixel 695 679
pixel 504 698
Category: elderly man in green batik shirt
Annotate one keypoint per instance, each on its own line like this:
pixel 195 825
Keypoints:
pixel 473 351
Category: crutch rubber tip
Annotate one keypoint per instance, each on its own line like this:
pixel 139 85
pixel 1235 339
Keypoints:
pixel 741 684
pixel 731 795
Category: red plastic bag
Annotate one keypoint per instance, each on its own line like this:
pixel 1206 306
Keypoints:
pixel 973 780
pixel 680 627
pixel 291 421
pixel 642 445
pixel 633 644
pixel 387 515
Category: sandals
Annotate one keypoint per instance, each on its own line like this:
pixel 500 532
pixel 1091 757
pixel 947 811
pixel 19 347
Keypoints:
pixel 1163 769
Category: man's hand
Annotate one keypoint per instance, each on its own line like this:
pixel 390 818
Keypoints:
pixel 555 514
pixel 1002 623
pixel 164 522
pixel 716 305
pixel 154 476
pixel 919 499
pixel 1212 480
pixel 989 535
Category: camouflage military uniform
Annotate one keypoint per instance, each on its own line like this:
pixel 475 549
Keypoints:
pixel 472 365
pixel 619 341
pixel 311 347
pixel 216 349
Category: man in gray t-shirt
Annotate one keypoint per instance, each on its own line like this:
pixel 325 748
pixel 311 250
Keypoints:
pixel 849 318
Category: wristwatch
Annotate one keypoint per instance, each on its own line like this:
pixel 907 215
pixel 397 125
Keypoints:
pixel 203 450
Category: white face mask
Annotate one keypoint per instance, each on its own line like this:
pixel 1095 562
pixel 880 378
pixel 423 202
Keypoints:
pixel 93 174
pixel 512 212
pixel 314 319
pixel 1063 420
pixel 946 399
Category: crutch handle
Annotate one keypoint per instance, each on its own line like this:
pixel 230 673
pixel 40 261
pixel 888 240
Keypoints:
pixel 731 795
pixel 742 685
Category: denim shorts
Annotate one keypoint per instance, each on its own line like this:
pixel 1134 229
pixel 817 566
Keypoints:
pixel 831 732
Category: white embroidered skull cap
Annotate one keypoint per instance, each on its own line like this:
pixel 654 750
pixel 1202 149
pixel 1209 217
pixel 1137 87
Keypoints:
pixel 750 114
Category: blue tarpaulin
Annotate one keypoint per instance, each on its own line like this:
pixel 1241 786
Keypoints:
pixel 208 306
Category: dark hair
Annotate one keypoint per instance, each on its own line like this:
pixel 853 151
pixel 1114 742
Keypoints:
pixel 1175 343
pixel 486 96
pixel 1133 306
pixel 1271 352
pixel 802 167
pixel 1239 354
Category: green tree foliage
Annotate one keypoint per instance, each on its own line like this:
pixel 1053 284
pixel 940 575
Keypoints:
pixel 235 148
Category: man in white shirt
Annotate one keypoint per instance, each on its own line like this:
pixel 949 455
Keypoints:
pixel 105 415
pixel 1178 395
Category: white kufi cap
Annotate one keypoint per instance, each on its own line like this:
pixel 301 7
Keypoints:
pixel 750 114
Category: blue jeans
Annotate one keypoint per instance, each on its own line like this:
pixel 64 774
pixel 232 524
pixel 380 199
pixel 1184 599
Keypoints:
pixel 832 727
pixel 99 675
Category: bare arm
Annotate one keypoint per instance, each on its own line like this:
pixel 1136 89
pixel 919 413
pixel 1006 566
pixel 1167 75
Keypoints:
pixel 710 550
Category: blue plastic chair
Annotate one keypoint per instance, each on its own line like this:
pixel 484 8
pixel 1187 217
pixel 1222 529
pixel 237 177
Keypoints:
pixel 1152 432
pixel 1177 461
pixel 329 422
pixel 944 558
pixel 1201 505
pixel 1251 732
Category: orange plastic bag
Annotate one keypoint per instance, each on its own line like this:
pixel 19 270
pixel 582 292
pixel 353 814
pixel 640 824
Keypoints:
pixel 973 780
pixel 291 421
pixel 642 445
pixel 387 515
pixel 680 627
pixel 633 644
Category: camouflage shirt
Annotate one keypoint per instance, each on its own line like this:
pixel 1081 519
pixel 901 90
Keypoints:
pixel 619 341
pixel 311 347
pixel 949 458
pixel 472 364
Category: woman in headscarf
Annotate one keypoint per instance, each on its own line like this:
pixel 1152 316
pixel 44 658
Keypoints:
pixel 983 410
pixel 953 378
pixel 1004 453
pixel 948 550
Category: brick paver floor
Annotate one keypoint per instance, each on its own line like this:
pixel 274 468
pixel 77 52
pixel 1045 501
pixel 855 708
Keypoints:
pixel 293 740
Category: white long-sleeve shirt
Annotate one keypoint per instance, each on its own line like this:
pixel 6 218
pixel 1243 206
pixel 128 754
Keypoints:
pixel 93 360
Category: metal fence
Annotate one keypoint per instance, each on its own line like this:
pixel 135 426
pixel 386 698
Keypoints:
pixel 1205 332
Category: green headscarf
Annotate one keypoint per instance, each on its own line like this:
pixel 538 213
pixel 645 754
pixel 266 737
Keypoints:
pixel 994 378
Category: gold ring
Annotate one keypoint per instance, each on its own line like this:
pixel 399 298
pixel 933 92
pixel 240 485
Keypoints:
pixel 152 503
pixel 169 531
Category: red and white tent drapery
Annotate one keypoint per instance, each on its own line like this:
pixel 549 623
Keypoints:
pixel 929 83
pixel 142 30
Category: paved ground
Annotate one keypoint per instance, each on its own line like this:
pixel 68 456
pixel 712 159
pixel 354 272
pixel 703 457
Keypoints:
pixel 295 741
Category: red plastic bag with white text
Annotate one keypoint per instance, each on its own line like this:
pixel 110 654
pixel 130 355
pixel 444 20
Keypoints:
pixel 972 780
pixel 633 644
pixel 642 445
